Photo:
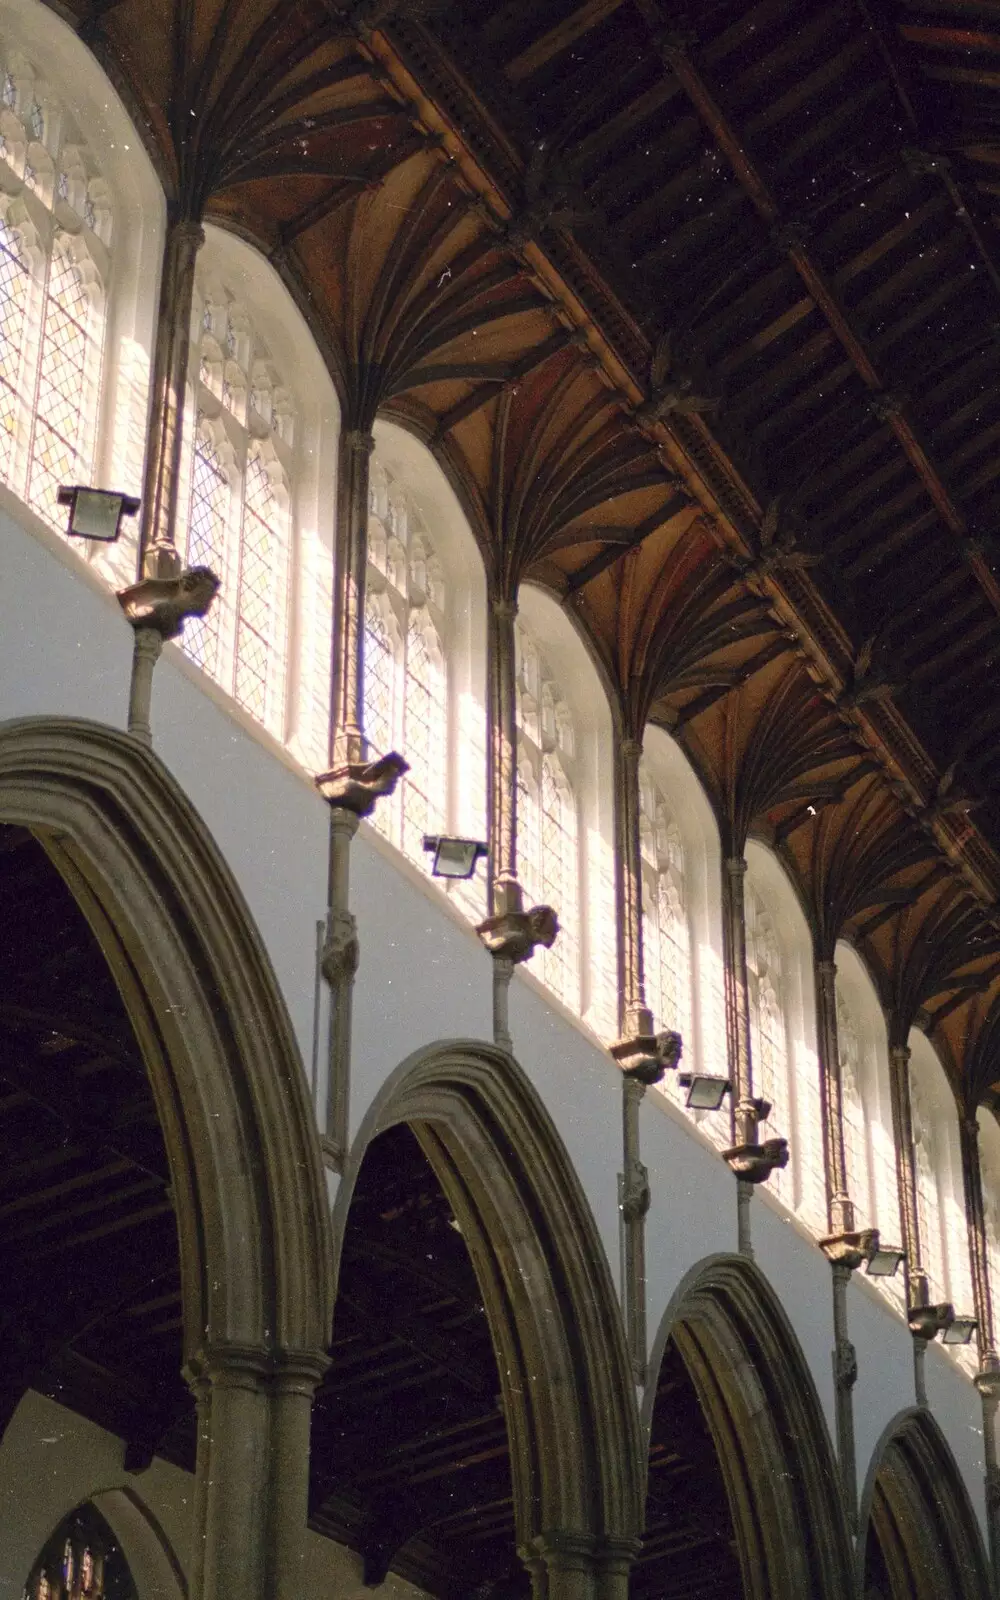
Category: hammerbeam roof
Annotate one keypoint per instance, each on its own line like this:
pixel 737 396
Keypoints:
pixel 698 308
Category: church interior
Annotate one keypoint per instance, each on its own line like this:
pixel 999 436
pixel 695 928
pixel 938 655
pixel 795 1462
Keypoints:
pixel 499 853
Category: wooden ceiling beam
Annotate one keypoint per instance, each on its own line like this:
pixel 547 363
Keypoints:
pixel 817 283
pixel 556 40
pixel 119 1137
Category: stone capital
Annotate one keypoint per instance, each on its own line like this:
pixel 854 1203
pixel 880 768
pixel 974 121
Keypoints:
pixel 255 1367
pixel 358 441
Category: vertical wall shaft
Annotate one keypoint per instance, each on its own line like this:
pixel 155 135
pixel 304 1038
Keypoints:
pixel 738 1000
pixel 840 1211
pixel 502 756
pixel 171 357
pixel 633 1015
pixel 906 1173
pixel 979 1261
pixel 347 743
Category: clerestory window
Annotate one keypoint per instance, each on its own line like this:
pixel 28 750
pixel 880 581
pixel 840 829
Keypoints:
pixel 240 502
pixel 55 258
pixel 548 842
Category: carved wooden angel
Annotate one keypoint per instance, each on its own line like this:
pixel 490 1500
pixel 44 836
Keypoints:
pixel 674 386
pixel 777 546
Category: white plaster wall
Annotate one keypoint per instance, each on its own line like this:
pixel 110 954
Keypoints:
pixel 957 1408
pixel 800 1277
pixel 64 648
pixel 885 1369
pixel 51 1460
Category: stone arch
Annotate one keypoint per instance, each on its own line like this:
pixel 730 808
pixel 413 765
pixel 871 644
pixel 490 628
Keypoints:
pixel 208 1014
pixel 917 1507
pixel 768 1428
pixel 567 1386
pixel 147 1549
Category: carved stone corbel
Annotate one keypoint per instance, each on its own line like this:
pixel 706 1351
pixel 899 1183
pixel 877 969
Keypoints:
pixel 648 1056
pixel 850 1249
pixel 754 1163
pixel 357 785
pixel 926 1322
pixel 157 608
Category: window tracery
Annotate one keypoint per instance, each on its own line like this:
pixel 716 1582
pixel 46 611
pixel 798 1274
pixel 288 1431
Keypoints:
pixel 55 237
pixel 548 820
pixel 666 933
pixel 81 1561
pixel 768 1030
pixel 930 1199
pixel 855 1121
pixel 405 672
pixel 241 478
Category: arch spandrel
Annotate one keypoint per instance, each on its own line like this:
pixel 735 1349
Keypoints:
pixel 767 1424
pixel 554 1317
pixel 916 1505
pixel 223 1063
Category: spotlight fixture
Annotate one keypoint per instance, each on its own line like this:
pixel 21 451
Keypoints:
pixel 453 858
pixel 884 1261
pixel 959 1330
pixel 96 513
pixel 703 1093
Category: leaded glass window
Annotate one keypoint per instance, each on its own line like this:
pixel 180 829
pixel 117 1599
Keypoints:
pixel 853 1113
pixel 14 286
pixel 548 843
pixel 207 536
pixel 768 1028
pixel 405 671
pixel 82 1561
pixel 58 452
pixel 242 473
pixel 55 236
pixel 930 1208
pixel 425 722
pixel 666 941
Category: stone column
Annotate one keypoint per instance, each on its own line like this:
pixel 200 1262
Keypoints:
pixel 347 743
pixel 751 1161
pixel 158 556
pixel 252 1471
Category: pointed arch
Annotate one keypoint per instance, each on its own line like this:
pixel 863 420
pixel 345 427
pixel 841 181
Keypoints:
pixel 554 1317
pixel 768 1428
pixel 917 1508
pixel 216 1037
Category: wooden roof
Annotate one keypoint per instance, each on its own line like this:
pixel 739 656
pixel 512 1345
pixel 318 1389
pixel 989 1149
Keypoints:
pixel 699 308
